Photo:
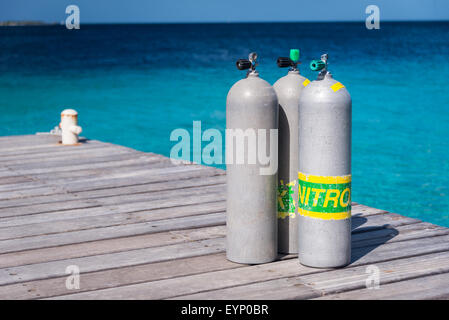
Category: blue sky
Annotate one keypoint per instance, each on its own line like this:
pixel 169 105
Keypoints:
pixel 153 11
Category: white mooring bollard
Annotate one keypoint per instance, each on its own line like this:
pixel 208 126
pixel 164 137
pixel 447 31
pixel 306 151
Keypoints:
pixel 69 127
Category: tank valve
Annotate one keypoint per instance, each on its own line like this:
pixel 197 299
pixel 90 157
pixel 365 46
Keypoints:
pixel 320 65
pixel 69 127
pixel 291 62
pixel 250 63
pixel 316 65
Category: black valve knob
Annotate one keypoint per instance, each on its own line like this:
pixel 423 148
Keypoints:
pixel 243 64
pixel 284 62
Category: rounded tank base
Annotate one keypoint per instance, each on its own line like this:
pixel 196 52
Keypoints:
pixel 250 261
pixel 311 264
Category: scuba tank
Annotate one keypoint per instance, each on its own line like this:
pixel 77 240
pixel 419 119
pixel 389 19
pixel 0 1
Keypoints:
pixel 251 221
pixel 324 174
pixel 288 90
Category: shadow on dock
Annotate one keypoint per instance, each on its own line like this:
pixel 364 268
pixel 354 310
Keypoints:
pixel 364 238
pixel 368 238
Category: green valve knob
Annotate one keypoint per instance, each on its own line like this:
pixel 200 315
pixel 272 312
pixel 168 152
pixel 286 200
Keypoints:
pixel 317 65
pixel 294 55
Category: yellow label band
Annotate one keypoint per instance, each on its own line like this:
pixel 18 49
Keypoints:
pixel 306 82
pixel 325 216
pixel 337 86
pixel 324 179
pixel 324 197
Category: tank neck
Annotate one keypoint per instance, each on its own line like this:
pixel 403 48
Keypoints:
pixel 325 74
pixel 293 71
pixel 252 74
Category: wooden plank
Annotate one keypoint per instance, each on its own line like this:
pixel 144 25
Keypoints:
pixel 4 139
pixel 50 207
pixel 63 159
pixel 278 289
pixel 107 220
pixel 28 229
pixel 361 223
pixel 161 289
pixel 16 148
pixel 175 262
pixel 7 191
pixel 15 179
pixel 430 287
pixel 142 160
pixel 400 249
pixel 51 159
pixel 61 153
pixel 173 210
pixel 360 209
pixel 104 220
pixel 56 218
pixel 115 277
pixel 27 140
pixel 393 234
pixel 21 186
pixel 84 179
pixel 39 191
pixel 24 137
pixel 110 261
pixel 98 247
pixel 68 178
pixel 311 285
pixel 58 239
pixel 28 197
pixel 80 218
pixel 68 204
pixel 206 180
pixel 281 280
pixel 167 203
pixel 394 271
pixel 147 196
pixel 32 139
pixel 402 233
pixel 26 152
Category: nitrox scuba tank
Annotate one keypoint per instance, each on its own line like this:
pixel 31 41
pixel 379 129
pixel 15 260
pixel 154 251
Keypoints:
pixel 251 109
pixel 324 175
pixel 288 90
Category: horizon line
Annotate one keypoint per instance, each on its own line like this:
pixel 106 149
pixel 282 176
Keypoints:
pixel 222 22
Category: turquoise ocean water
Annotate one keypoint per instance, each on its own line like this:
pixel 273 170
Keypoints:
pixel 134 84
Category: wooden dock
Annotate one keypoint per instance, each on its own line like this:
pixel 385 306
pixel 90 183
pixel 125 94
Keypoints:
pixel 139 227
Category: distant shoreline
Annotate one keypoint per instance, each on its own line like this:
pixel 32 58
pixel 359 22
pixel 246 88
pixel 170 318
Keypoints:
pixel 26 23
